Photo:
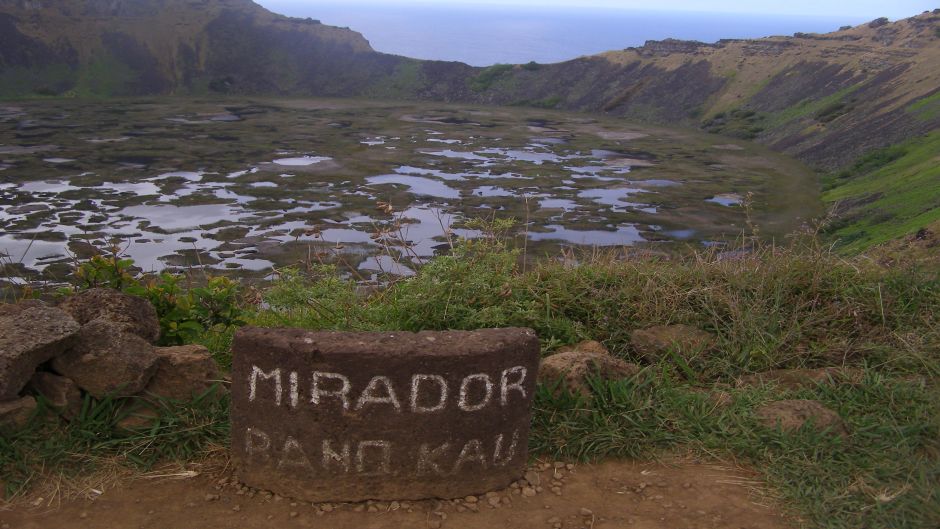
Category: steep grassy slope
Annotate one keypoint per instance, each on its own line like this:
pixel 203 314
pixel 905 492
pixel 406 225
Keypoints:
pixel 826 99
pixel 887 194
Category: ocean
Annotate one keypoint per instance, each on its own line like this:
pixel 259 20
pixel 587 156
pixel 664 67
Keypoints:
pixel 485 35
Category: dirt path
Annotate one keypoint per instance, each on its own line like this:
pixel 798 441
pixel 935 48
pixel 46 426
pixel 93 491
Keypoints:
pixel 613 494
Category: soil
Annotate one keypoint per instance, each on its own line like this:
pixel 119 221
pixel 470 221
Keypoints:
pixel 642 495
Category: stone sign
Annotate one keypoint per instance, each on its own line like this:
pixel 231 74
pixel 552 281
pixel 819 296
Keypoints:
pixel 330 416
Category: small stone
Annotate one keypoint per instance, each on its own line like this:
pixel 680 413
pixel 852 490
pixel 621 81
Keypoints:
pixel 83 515
pixel 554 520
pixel 569 467
pixel 237 508
pixel 493 501
pixel 294 514
pixel 533 477
pixel 687 485
pixel 359 508
pixel 586 512
pixel 394 506
pixel 556 490
pixel 372 508
pixel 529 492
pixel 434 524
pixel 17 413
pixel 212 497
pixel 471 499
pixel 327 507
pixel 558 464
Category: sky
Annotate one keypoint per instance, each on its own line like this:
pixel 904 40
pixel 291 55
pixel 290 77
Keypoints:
pixel 893 9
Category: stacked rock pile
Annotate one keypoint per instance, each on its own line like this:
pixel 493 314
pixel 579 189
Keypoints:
pixel 98 342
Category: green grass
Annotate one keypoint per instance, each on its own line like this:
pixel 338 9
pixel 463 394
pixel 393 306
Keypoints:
pixel 772 307
pixel 926 108
pixel 887 194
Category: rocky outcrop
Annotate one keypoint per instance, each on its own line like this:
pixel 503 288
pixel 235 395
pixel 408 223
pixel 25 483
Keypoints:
pixel 135 314
pixel 60 392
pixel 99 342
pixel 573 368
pixel 183 373
pixel 16 413
pixel 792 415
pixel 30 333
pixel 108 360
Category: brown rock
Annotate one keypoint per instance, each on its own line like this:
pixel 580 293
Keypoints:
pixel 587 346
pixel 108 360
pixel 136 314
pixel 137 416
pixel 574 368
pixel 60 392
pixel 324 416
pixel 30 333
pixel 791 415
pixel 793 379
pixel 16 413
pixel 183 372
pixel 655 343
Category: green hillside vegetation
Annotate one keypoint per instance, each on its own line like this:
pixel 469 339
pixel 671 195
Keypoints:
pixel 887 194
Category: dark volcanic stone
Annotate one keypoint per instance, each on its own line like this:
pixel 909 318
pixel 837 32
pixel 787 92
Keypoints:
pixel 183 372
pixel 30 334
pixel 136 314
pixel 356 416
pixel 106 360
pixel 60 392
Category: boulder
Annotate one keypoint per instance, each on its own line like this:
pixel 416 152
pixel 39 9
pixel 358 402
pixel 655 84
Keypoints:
pixel 16 413
pixel 61 393
pixel 31 333
pixel 793 379
pixel 183 372
pixel 587 346
pixel 791 415
pixel 575 367
pixel 106 359
pixel 655 343
pixel 136 314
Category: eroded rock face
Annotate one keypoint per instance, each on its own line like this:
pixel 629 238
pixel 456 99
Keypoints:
pixel 106 359
pixel 16 413
pixel 183 372
pixel 574 366
pixel 791 415
pixel 326 416
pixel 136 314
pixel 30 333
pixel 61 392
pixel 655 343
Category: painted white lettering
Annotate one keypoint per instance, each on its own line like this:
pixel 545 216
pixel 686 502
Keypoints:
pixel 371 394
pixel 256 442
pixel 471 451
pixel 426 459
pixel 292 455
pixel 330 456
pixel 385 462
pixel 316 392
pixel 505 386
pixel 257 372
pixel 294 390
pixel 465 390
pixel 416 383
pixel 499 459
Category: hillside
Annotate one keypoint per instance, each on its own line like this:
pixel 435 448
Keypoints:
pixel 824 99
